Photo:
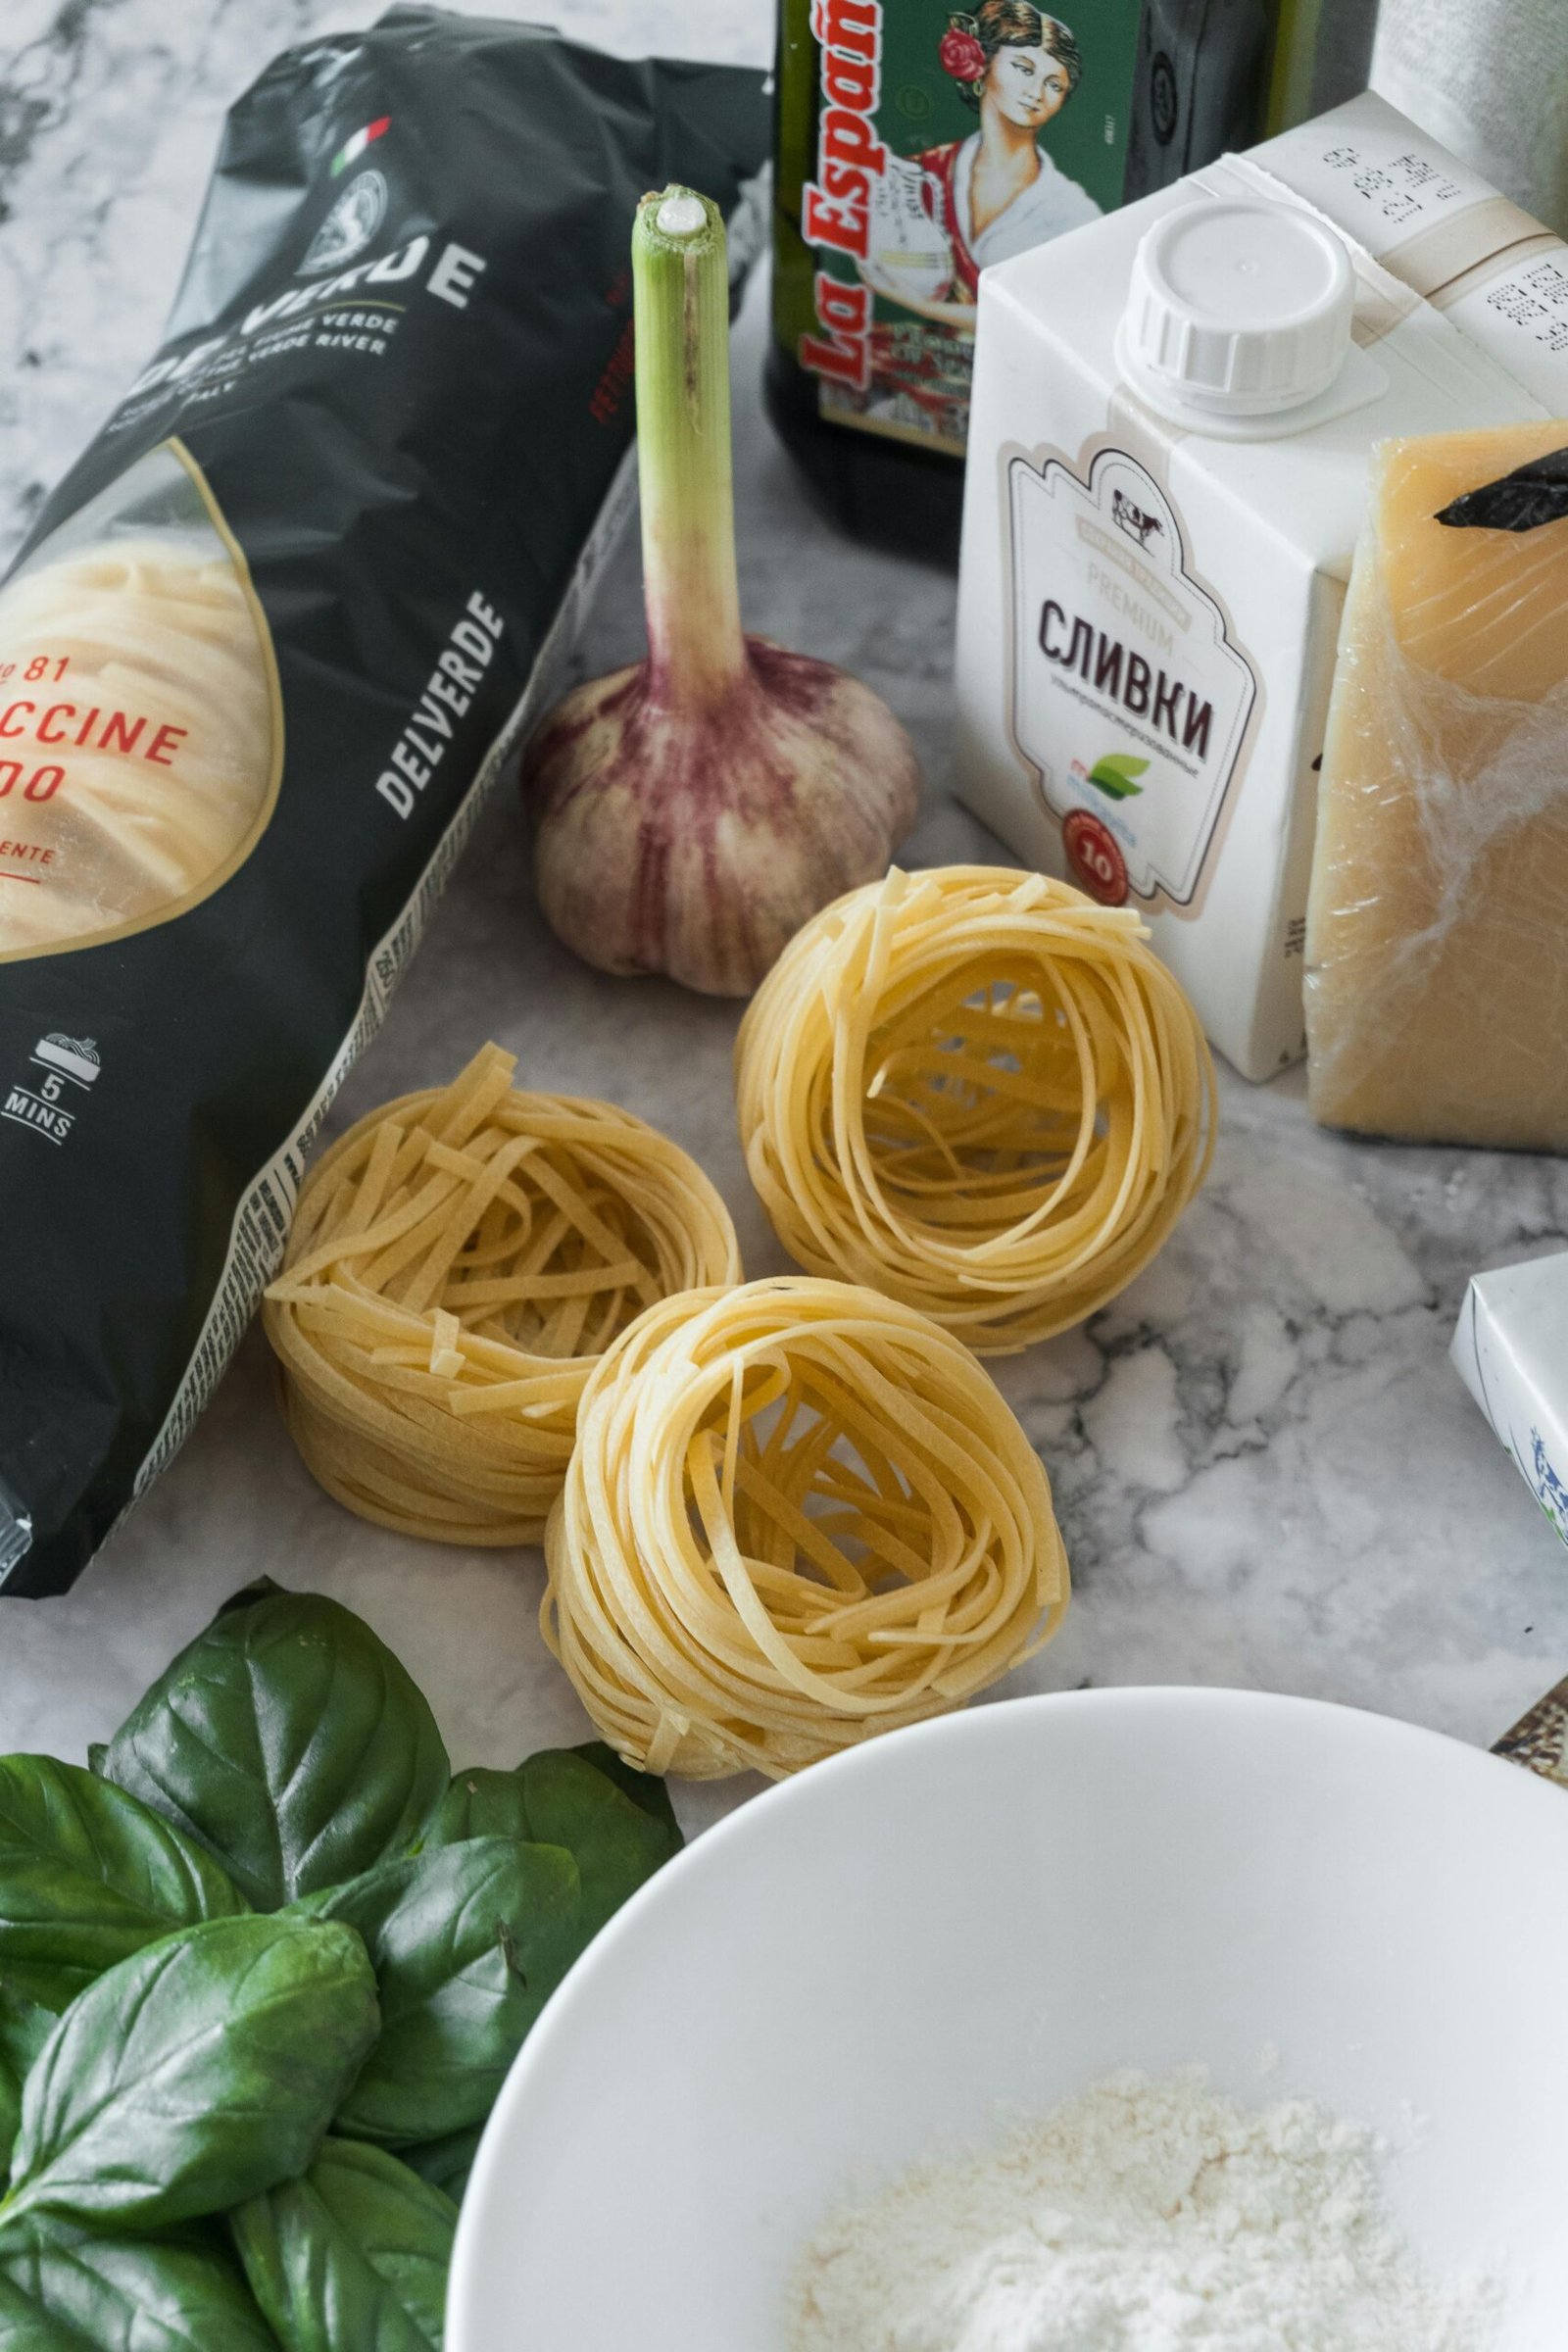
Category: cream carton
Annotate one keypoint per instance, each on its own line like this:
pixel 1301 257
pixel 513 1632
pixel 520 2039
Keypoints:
pixel 1511 1351
pixel 1174 410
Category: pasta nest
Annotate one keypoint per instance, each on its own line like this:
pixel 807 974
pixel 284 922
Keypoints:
pixel 978 1091
pixel 459 1262
pixel 799 1514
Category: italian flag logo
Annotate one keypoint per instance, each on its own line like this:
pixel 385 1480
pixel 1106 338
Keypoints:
pixel 352 149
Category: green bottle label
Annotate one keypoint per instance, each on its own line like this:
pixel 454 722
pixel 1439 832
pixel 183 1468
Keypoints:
pixel 917 145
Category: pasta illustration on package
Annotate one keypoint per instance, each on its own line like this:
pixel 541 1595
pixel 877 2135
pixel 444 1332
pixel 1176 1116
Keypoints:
pixel 143 735
pixel 260 656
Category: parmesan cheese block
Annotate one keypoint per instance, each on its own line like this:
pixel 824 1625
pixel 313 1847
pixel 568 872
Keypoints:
pixel 1436 943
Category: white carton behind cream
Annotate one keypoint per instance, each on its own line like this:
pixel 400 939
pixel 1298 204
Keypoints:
pixel 1438 227
pixel 1511 1351
pixel 1173 414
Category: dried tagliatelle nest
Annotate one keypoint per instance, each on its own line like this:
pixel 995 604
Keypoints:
pixel 460 1262
pixel 799 1513
pixel 978 1091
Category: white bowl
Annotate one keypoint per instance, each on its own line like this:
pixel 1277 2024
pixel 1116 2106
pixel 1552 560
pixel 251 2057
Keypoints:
pixel 991 1911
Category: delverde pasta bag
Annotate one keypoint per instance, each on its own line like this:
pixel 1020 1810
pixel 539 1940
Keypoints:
pixel 260 656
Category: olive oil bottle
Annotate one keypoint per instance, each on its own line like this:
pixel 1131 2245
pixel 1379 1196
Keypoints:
pixel 915 144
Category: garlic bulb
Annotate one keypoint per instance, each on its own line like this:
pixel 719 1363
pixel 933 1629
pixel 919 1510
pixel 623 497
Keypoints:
pixel 695 808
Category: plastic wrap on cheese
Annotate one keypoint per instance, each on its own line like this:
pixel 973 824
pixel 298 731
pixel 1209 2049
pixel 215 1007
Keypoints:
pixel 1436 943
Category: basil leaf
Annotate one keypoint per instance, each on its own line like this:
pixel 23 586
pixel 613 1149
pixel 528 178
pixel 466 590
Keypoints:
pixel 260 1587
pixel 288 1740
pixel 617 1824
pixel 25 2028
pixel 482 1803
pixel 199 2071
pixel 10 2113
pixel 645 1788
pixel 65 2290
pixel 25 2327
pixel 89 1874
pixel 353 2258
pixel 467 1943
pixel 446 2162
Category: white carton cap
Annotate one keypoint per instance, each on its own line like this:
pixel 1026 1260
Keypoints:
pixel 1236 309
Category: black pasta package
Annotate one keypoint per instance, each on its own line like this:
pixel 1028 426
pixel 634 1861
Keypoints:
pixel 260 656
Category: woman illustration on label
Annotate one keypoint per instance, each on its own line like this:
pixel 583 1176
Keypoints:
pixel 997 192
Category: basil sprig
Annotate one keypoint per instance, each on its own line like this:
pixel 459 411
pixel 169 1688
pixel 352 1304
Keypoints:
pixel 265 1940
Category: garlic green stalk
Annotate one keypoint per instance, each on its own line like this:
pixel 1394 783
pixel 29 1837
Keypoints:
pixel 695 810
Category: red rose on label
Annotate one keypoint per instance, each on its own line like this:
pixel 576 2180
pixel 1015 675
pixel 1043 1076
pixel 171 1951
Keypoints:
pixel 1097 865
pixel 961 56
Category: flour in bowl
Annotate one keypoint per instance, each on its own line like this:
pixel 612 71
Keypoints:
pixel 1145 2215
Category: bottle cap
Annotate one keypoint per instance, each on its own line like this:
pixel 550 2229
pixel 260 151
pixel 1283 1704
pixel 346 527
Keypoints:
pixel 1236 309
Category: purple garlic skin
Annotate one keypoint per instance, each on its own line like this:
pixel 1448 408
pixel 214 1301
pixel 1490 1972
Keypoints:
pixel 698 844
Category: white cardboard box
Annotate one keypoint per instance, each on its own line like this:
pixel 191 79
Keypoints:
pixel 1511 1351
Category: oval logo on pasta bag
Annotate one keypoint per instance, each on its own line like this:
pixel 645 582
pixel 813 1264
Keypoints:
pixel 140 726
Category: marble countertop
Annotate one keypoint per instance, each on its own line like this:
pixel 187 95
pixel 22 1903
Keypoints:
pixel 1266 1470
